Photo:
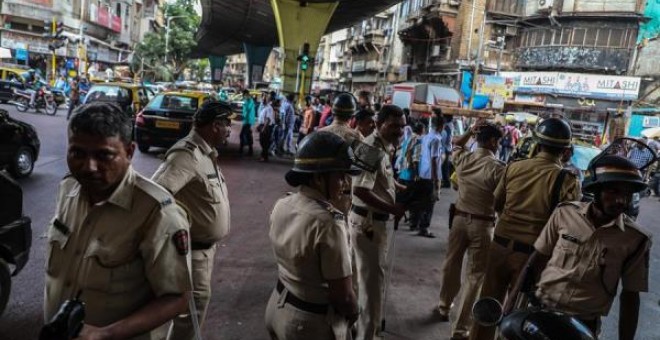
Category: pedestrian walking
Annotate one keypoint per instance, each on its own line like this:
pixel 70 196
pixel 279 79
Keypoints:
pixel 410 157
pixel 132 274
pixel 598 241
pixel 445 137
pixel 191 173
pixel 313 297
pixel 471 223
pixel 266 123
pixel 74 96
pixel 373 202
pixel 249 115
pixel 326 114
pixel 428 184
pixel 288 113
pixel 524 199
pixel 308 119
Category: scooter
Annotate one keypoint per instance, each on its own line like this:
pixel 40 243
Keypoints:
pixel 44 100
pixel 531 323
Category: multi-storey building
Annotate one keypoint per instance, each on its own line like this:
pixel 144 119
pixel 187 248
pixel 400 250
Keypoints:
pixel 329 62
pixel 108 28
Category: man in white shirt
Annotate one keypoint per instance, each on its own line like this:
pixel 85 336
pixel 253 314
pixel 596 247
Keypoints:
pixel 429 175
pixel 265 127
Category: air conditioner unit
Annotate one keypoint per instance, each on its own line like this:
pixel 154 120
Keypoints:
pixel 545 5
pixel 511 31
pixel 454 2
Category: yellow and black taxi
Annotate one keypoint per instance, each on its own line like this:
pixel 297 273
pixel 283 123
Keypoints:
pixel 167 118
pixel 129 96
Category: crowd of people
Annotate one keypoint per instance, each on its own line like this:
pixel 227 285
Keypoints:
pixel 523 224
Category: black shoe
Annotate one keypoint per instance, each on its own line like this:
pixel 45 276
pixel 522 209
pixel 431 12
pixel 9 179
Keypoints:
pixel 425 233
pixel 442 317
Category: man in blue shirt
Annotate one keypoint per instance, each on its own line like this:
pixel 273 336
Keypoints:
pixel 640 155
pixel 249 115
pixel 429 175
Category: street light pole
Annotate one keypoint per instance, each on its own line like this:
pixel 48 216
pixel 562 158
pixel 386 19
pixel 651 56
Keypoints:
pixel 167 33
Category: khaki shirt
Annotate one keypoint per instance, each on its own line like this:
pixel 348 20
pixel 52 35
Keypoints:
pixel 381 182
pixel 478 174
pixel 523 196
pixel 310 243
pixel 586 263
pixel 121 253
pixel 191 173
pixel 343 130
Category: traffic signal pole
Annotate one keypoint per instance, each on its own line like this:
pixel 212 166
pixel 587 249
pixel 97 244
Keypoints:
pixel 299 23
pixel 54 63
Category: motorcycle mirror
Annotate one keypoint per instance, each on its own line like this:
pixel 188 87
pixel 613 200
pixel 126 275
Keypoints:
pixel 487 311
pixel 622 145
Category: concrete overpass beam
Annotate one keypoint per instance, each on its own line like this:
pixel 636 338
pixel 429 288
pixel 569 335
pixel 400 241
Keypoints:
pixel 299 23
pixel 257 56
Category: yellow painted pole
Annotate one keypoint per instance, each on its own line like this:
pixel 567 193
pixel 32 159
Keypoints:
pixel 301 95
pixel 54 63
pixel 296 25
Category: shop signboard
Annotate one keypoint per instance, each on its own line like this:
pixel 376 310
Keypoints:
pixel 538 99
pixel 591 86
pixel 496 86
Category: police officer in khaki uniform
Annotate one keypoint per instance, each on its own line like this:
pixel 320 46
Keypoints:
pixel 587 248
pixel 524 199
pixel 313 298
pixel 117 239
pixel 373 202
pixel 191 173
pixel 472 222
pixel 343 109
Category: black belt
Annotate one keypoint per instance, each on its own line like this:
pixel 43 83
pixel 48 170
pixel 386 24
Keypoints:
pixel 300 304
pixel 475 216
pixel 517 246
pixel 201 245
pixel 364 212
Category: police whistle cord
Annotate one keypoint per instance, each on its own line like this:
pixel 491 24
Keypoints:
pixel 390 269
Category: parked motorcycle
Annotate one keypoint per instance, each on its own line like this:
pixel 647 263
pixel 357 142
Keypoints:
pixel 44 100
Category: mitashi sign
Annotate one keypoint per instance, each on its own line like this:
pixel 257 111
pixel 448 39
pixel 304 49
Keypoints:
pixel 592 86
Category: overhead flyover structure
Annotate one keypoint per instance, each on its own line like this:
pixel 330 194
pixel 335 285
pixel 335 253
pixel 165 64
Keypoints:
pixel 236 26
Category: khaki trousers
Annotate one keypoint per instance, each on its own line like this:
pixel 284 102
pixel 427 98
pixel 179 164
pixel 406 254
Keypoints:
pixel 285 322
pixel 474 237
pixel 504 266
pixel 202 269
pixel 370 246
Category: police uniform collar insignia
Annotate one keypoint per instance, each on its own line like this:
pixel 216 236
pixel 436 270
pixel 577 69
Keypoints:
pixel 181 241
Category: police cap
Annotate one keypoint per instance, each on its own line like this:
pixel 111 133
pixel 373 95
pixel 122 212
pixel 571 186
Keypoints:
pixel 554 132
pixel 322 152
pixel 211 111
pixel 344 105
pixel 612 169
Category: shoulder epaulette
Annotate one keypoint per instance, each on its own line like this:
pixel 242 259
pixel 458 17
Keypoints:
pixel 336 213
pixel 155 191
pixel 573 204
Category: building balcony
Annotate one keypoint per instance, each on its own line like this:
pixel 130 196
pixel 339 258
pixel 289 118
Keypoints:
pixel 614 60
pixel 373 37
pixel 22 9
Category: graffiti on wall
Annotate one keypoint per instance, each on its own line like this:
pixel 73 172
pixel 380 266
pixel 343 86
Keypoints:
pixel 574 57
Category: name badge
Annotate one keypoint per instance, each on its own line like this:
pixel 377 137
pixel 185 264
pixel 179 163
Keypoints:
pixel 570 238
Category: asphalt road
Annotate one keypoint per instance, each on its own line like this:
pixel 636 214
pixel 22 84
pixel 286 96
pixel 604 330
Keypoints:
pixel 245 272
